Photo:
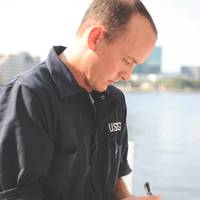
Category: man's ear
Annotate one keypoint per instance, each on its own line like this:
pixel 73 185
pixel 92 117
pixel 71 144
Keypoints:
pixel 95 37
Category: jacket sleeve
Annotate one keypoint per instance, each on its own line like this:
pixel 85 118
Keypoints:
pixel 124 168
pixel 26 150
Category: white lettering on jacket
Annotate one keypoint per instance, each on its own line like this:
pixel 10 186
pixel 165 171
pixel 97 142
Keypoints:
pixel 114 126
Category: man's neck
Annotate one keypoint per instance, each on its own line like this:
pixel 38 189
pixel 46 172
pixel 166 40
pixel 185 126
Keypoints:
pixel 67 58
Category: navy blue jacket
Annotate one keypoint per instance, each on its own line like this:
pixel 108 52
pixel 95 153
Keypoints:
pixel 57 141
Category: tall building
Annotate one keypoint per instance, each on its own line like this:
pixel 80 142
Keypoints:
pixel 192 72
pixel 11 65
pixel 152 65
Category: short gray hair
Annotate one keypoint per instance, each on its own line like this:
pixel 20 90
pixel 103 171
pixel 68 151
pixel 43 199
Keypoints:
pixel 114 15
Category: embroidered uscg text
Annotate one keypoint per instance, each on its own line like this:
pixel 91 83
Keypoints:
pixel 114 126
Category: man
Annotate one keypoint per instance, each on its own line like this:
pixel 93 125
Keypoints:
pixel 63 128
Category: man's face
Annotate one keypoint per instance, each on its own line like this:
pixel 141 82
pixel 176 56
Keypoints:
pixel 116 60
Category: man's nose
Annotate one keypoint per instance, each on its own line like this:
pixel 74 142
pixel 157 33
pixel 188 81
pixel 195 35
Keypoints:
pixel 125 75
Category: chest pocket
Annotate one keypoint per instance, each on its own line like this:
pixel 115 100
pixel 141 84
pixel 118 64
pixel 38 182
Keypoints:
pixel 115 153
pixel 114 137
pixel 58 174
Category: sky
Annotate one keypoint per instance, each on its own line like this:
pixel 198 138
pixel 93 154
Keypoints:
pixel 36 25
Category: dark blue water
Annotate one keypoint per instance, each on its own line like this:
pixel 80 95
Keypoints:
pixel 165 128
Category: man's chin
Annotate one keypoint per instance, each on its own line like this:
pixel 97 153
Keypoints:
pixel 101 89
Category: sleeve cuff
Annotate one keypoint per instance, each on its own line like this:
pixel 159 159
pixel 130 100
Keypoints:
pixel 124 169
pixel 22 193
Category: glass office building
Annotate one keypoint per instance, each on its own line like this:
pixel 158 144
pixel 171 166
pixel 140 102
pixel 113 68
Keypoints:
pixel 192 72
pixel 13 64
pixel 152 64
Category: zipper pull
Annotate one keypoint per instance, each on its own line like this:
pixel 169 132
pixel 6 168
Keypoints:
pixel 91 99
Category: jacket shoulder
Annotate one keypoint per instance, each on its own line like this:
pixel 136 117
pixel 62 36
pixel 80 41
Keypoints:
pixel 37 79
pixel 116 93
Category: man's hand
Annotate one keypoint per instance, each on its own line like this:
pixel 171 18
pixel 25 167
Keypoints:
pixel 122 193
pixel 148 197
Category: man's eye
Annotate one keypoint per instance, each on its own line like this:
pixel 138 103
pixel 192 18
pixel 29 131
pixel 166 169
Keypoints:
pixel 126 62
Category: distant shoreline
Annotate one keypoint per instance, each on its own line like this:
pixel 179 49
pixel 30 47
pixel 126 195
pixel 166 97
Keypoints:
pixel 128 89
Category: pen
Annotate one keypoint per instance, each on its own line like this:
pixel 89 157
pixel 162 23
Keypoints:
pixel 147 188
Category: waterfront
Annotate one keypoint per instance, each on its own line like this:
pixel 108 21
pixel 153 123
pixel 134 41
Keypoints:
pixel 165 130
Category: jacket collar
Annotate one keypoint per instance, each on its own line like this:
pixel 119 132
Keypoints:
pixel 67 86
pixel 65 83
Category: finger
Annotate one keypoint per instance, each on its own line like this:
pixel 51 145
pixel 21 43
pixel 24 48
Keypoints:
pixel 155 197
